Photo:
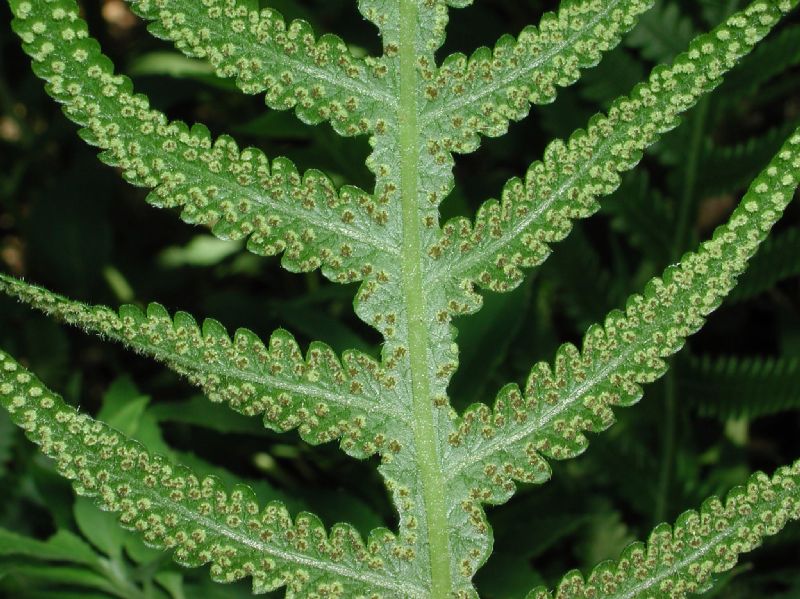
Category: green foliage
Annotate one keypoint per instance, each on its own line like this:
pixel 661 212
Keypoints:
pixel 440 466
pixel 324 397
pixel 202 522
pixel 776 261
pixel 730 387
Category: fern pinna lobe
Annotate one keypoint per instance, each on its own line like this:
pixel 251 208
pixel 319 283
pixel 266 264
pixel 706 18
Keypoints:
pixel 516 233
pixel 479 95
pixel 683 559
pixel 237 192
pixel 199 519
pixel 626 351
pixel 319 78
pixel 324 397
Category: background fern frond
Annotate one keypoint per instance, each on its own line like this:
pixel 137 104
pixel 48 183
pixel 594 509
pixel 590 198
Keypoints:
pixel 199 519
pixel 733 387
pixel 774 56
pixel 663 32
pixel 727 169
pixel 640 211
pixel 321 396
pixel 682 560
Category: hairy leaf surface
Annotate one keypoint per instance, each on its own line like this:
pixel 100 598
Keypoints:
pixel 576 394
pixel 416 276
pixel 324 397
pixel 198 519
pixel 681 560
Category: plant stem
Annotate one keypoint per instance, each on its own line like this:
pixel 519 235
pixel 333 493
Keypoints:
pixel 428 459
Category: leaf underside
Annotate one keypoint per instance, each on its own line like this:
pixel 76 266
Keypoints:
pixel 415 276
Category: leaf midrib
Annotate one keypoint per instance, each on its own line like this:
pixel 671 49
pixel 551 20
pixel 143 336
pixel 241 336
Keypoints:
pixel 428 460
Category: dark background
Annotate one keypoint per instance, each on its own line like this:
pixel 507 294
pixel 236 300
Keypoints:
pixel 729 406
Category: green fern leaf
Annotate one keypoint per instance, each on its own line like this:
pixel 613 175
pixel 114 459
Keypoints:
pixel 683 559
pixel 199 519
pixel 321 396
pixel 770 58
pixel 320 79
pixel 558 404
pixel 775 262
pixel 517 232
pixel 439 468
pixel 481 94
pixel 237 192
pixel 731 387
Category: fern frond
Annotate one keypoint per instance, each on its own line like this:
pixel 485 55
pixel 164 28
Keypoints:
pixel 199 519
pixel 775 262
pixel 517 232
pixel 558 404
pixel 429 26
pixel 663 32
pixel 731 168
pixel 319 78
pixel 237 192
pixel 480 95
pixel 640 211
pixel 772 57
pixel 321 396
pixel 683 559
pixel 734 387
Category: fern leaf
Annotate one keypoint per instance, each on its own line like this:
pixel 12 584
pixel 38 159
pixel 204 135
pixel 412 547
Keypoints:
pixel 772 57
pixel 639 210
pixel 731 168
pixel 481 94
pixel 618 73
pixel 662 33
pixel 321 396
pixel 733 387
pixel 199 519
pixel 683 559
pixel 429 24
pixel 517 232
pixel 775 262
pixel 238 192
pixel 577 394
pixel 319 78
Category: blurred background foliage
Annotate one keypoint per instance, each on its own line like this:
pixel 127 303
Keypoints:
pixel 730 404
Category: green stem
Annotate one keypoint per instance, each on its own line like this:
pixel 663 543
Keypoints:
pixel 428 459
